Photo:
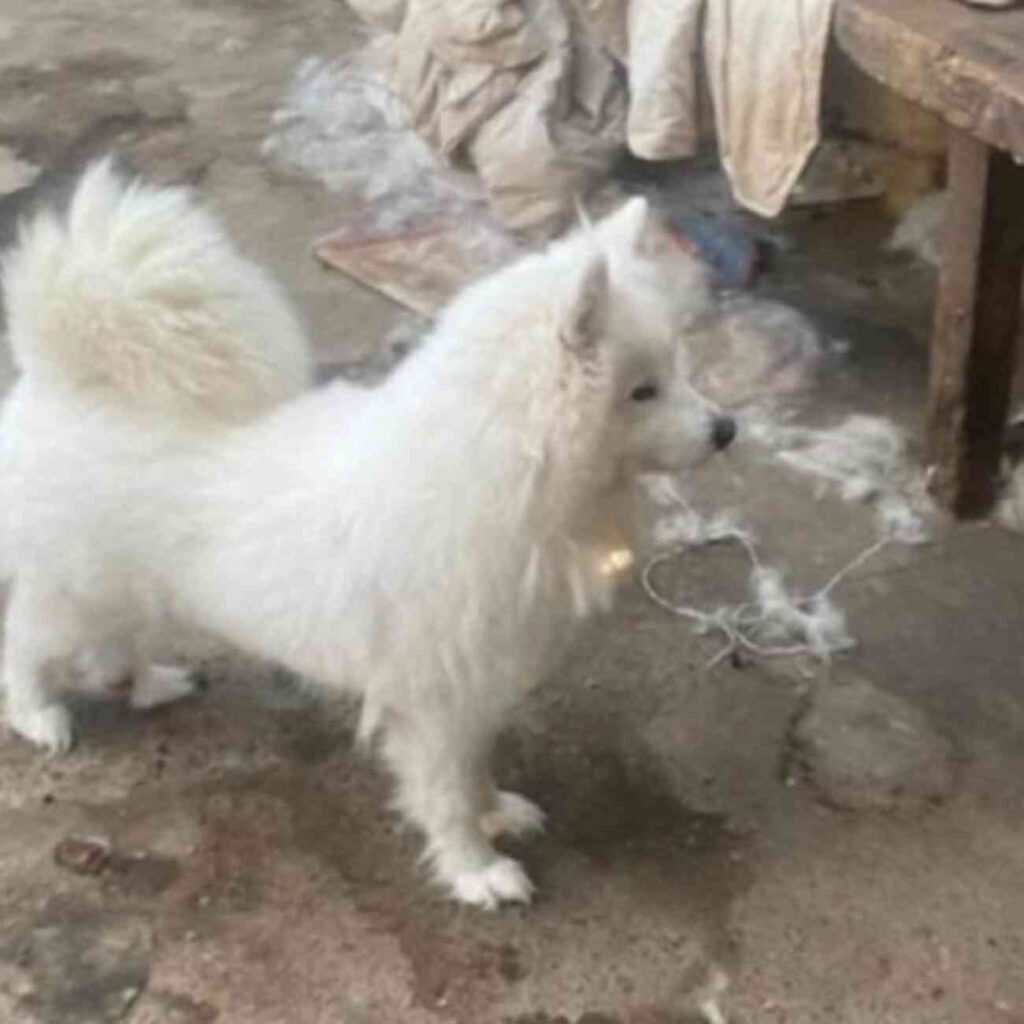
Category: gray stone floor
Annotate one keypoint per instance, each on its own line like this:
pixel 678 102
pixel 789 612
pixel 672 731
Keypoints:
pixel 768 835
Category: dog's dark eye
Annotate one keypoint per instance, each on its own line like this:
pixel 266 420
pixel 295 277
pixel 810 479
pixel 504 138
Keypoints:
pixel 644 393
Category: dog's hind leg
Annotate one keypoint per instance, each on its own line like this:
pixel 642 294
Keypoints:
pixel 444 788
pixel 120 665
pixel 43 625
pixel 511 814
pixel 156 685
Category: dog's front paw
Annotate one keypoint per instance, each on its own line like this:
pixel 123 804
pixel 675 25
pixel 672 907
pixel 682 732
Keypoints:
pixel 161 684
pixel 501 881
pixel 513 816
pixel 48 727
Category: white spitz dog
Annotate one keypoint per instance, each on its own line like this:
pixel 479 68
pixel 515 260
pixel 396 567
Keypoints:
pixel 426 544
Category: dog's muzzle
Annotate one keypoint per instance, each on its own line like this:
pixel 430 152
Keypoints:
pixel 723 430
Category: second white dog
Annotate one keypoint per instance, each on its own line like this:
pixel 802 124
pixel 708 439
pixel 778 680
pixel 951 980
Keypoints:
pixel 426 544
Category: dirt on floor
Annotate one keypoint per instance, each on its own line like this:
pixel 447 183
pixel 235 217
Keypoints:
pixel 759 843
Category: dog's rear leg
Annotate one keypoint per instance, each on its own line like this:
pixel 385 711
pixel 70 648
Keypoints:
pixel 511 814
pixel 156 685
pixel 444 788
pixel 42 626
pixel 121 665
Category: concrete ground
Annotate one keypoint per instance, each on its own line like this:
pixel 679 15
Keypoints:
pixel 771 843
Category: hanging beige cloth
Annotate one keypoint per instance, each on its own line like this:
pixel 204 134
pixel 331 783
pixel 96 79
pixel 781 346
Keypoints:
pixel 764 63
pixel 531 93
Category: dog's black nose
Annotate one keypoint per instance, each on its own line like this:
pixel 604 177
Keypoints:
pixel 723 430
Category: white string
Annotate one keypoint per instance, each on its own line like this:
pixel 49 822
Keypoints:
pixel 863 557
pixel 818 627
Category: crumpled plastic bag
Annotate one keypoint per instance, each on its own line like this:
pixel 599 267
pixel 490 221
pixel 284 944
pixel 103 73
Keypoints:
pixel 515 90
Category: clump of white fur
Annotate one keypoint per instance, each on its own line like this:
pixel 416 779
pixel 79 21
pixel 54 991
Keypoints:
pixel 1010 509
pixel 427 543
pixel 343 124
pixel 138 296
pixel 864 458
pixel 920 230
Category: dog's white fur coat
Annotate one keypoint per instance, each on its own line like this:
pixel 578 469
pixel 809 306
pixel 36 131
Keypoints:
pixel 426 544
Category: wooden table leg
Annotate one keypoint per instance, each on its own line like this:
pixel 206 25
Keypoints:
pixel 977 320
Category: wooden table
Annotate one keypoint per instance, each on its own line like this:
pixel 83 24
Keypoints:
pixel 966 65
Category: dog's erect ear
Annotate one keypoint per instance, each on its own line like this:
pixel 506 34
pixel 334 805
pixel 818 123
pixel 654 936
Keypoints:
pixel 583 321
pixel 629 225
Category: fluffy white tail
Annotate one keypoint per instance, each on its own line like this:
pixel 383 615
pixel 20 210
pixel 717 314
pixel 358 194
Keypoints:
pixel 136 294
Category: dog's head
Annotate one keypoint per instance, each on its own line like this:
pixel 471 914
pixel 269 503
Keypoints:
pixel 628 305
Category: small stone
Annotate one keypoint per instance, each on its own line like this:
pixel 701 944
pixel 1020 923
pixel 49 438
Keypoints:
pixel 117 1005
pixel 864 748
pixel 84 855
pixel 16 981
pixel 124 1000
pixel 14 172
